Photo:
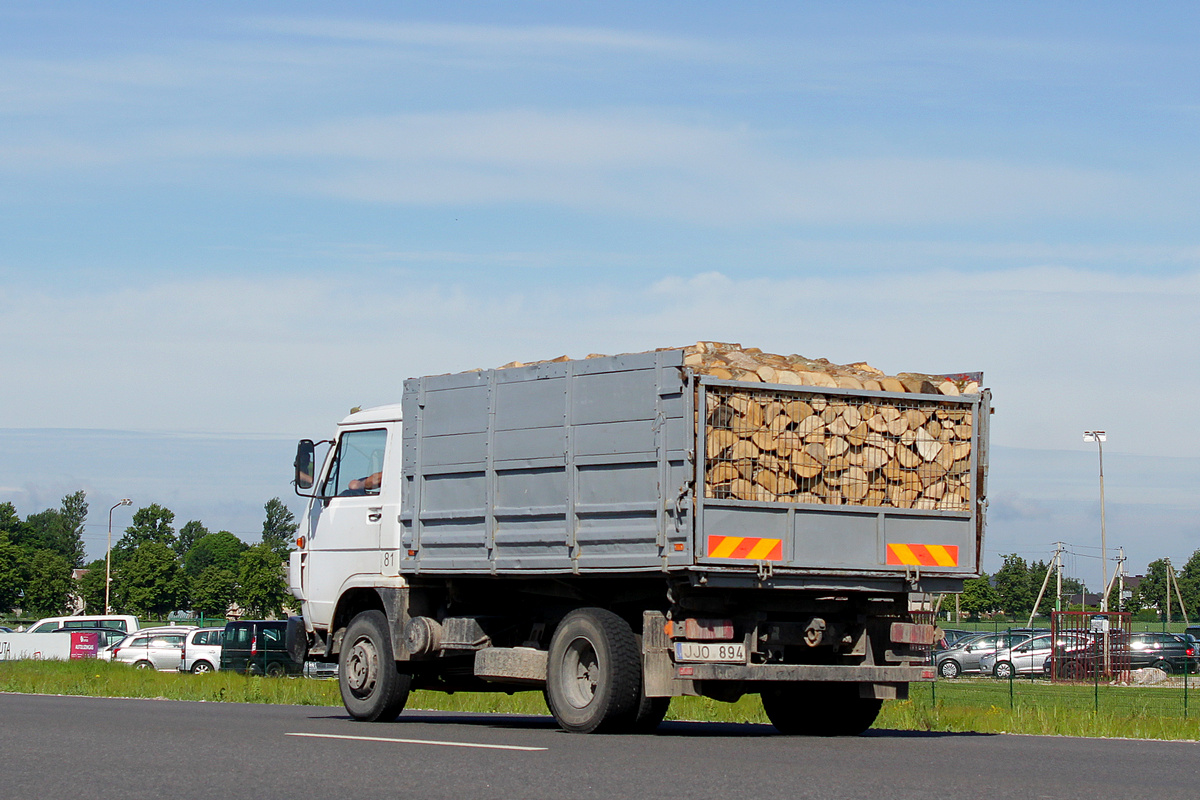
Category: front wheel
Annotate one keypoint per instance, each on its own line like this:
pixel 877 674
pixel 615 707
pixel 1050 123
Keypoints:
pixel 1003 670
pixel 594 675
pixel 949 668
pixel 373 690
pixel 1164 666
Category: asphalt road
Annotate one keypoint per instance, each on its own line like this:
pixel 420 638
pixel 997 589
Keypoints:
pixel 86 748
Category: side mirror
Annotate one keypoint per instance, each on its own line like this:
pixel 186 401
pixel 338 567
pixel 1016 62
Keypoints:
pixel 305 463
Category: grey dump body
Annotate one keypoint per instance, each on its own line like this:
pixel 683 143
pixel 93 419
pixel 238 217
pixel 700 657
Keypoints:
pixel 597 467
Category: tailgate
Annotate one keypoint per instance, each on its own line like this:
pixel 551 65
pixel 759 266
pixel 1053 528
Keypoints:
pixel 839 479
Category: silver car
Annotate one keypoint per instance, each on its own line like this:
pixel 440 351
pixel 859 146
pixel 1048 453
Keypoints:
pixel 202 651
pixel 965 654
pixel 1029 657
pixel 159 649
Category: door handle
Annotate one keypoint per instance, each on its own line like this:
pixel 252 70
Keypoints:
pixel 374 514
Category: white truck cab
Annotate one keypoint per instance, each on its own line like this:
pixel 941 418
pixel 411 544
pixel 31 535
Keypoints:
pixel 349 536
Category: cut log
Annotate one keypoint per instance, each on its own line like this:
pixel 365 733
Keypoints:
pixel 858 436
pixel 797 410
pixel 836 446
pixel 874 458
pixel 927 447
pixel 723 472
pixel 743 448
pixel 719 441
pixel 907 458
pixel 804 465
pixel 891 385
pixel 817 451
pixel 810 424
pixel 855 484
pixel 743 489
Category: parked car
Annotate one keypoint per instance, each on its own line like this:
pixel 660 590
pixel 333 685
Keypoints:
pixel 258 647
pixel 121 622
pixel 104 638
pixel 1029 657
pixel 950 636
pixel 201 650
pixel 1166 651
pixel 159 649
pixel 964 655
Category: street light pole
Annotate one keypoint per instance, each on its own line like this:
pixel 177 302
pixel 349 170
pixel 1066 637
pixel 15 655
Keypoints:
pixel 108 554
pixel 1099 437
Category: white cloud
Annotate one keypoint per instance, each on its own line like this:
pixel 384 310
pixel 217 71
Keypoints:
pixel 514 38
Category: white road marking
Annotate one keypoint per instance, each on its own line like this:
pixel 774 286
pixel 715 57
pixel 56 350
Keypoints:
pixel 418 741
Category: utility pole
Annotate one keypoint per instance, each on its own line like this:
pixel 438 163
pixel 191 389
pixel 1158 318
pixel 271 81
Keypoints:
pixel 1100 437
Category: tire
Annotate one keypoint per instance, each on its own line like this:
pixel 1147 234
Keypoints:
pixel 949 668
pixel 1073 671
pixel 143 665
pixel 819 709
pixel 201 667
pixel 373 690
pixel 650 713
pixel 276 670
pixel 594 675
pixel 1163 665
pixel 1003 670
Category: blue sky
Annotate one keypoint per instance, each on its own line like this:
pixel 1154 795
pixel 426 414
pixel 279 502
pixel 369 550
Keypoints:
pixel 231 223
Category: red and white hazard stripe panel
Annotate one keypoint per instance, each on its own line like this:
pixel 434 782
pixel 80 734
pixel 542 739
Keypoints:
pixel 923 555
pixel 750 548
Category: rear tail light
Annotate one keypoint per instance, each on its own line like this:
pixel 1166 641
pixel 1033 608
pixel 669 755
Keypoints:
pixel 254 645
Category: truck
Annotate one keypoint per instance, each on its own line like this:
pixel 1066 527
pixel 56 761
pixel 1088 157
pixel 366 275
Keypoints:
pixel 616 531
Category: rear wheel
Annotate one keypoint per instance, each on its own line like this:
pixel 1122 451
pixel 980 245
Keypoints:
pixel 819 709
pixel 594 675
pixel 1163 665
pixel 143 665
pixel 372 688
pixel 275 670
pixel 200 667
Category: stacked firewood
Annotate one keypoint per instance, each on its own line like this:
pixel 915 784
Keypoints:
pixel 805 447
pixel 810 448
pixel 733 362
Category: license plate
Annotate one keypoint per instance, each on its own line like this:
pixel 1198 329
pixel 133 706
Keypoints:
pixel 710 651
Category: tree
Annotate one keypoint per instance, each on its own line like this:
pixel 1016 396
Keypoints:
pixel 74 513
pixel 49 584
pixel 261 587
pixel 12 572
pixel 978 596
pixel 149 581
pixel 91 587
pixel 191 532
pixel 221 549
pixel 1152 592
pixel 213 590
pixel 150 524
pixel 1189 584
pixel 279 528
pixel 1014 586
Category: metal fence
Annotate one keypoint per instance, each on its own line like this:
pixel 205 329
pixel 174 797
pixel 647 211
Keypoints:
pixel 1096 666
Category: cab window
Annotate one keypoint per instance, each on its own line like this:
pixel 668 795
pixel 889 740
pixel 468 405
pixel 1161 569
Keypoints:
pixel 358 464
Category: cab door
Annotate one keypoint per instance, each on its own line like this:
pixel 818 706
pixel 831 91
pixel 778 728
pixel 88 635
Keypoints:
pixel 346 522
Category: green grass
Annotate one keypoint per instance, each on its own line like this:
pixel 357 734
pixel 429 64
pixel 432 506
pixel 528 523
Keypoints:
pixel 973 705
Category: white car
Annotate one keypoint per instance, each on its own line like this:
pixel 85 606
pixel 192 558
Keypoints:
pixel 201 651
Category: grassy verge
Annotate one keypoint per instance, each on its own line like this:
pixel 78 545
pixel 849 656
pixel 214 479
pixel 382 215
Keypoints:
pixel 983 706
